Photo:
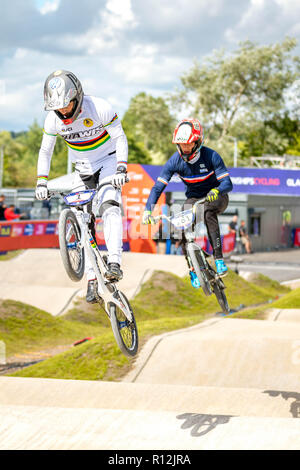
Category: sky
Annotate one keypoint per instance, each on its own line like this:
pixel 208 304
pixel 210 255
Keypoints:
pixel 118 48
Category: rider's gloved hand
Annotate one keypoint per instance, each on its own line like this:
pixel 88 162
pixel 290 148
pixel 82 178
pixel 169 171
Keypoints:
pixel 120 178
pixel 148 218
pixel 41 190
pixel 213 195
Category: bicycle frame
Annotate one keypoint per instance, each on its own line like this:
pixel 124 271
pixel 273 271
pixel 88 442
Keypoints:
pixel 107 290
pixel 187 219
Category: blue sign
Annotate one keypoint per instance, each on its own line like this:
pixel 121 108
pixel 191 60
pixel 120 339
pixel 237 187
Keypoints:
pixel 265 181
pixel 28 229
pixel 50 229
pixel 269 181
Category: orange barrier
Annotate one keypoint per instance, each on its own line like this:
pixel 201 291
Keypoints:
pixel 23 234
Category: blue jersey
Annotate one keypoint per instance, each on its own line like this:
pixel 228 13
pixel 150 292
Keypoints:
pixel 208 172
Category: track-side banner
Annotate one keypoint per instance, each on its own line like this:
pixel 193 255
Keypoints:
pixel 269 181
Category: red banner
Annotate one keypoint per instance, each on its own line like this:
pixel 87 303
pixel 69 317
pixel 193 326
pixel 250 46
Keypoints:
pixel 43 234
pixel 297 237
pixel 136 237
pixel 28 234
pixel 228 242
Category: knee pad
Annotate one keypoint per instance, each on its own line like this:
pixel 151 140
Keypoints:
pixel 108 206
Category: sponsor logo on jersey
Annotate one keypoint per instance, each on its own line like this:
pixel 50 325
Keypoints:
pixel 88 122
pixel 91 144
pixel 86 133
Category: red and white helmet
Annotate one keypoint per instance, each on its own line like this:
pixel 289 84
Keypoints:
pixel 186 132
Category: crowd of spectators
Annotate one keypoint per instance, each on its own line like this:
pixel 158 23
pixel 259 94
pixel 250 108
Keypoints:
pixel 9 212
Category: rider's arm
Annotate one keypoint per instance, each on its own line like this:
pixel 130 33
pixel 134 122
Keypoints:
pixel 46 149
pixel 222 174
pixel 113 126
pixel 161 183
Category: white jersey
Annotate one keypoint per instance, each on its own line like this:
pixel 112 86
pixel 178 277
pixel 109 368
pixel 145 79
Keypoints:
pixel 95 135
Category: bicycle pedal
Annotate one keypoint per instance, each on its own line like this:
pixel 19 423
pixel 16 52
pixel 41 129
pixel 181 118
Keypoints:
pixel 111 280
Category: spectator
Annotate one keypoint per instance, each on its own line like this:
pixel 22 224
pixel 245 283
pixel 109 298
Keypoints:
pixel 2 206
pixel 10 214
pixel 160 238
pixel 245 237
pixel 233 225
pixel 234 228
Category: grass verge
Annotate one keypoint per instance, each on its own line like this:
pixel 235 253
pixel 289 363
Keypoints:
pixel 10 255
pixel 165 303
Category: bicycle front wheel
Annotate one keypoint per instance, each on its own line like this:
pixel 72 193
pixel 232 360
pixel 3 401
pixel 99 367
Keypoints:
pixel 200 270
pixel 71 253
pixel 221 296
pixel 125 331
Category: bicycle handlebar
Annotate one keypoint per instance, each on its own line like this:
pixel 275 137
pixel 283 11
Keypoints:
pixel 163 216
pixel 53 192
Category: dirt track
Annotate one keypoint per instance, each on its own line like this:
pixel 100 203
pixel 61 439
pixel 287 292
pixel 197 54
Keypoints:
pixel 38 275
pixel 223 384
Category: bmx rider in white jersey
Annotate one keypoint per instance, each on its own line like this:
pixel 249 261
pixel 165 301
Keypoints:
pixel 98 146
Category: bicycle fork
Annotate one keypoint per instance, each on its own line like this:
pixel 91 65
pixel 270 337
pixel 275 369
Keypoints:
pixel 106 290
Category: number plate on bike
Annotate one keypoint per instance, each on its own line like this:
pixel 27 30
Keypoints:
pixel 183 220
pixel 79 198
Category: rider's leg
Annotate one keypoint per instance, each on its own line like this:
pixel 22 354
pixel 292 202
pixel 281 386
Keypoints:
pixel 188 204
pixel 80 183
pixel 110 212
pixel 109 203
pixel 211 212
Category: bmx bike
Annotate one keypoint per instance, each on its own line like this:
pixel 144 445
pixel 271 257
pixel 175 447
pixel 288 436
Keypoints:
pixel 197 258
pixel 77 242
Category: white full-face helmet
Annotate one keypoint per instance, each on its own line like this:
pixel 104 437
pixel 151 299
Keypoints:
pixel 62 87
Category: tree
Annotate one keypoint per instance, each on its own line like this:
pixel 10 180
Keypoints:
pixel 250 81
pixel 137 153
pixel 276 136
pixel 13 169
pixel 32 141
pixel 150 122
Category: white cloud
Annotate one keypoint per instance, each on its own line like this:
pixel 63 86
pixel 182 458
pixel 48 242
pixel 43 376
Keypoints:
pixel 2 92
pixel 107 33
pixel 118 48
pixel 21 53
pixel 49 6
pixel 266 21
pixel 121 9
pixel 145 67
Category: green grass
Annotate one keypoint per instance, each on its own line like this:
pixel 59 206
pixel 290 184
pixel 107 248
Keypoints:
pixel 165 303
pixel 10 255
pixel 25 328
pixel 291 300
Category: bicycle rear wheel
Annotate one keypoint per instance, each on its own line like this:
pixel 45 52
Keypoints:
pixel 221 296
pixel 200 270
pixel 69 236
pixel 125 331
